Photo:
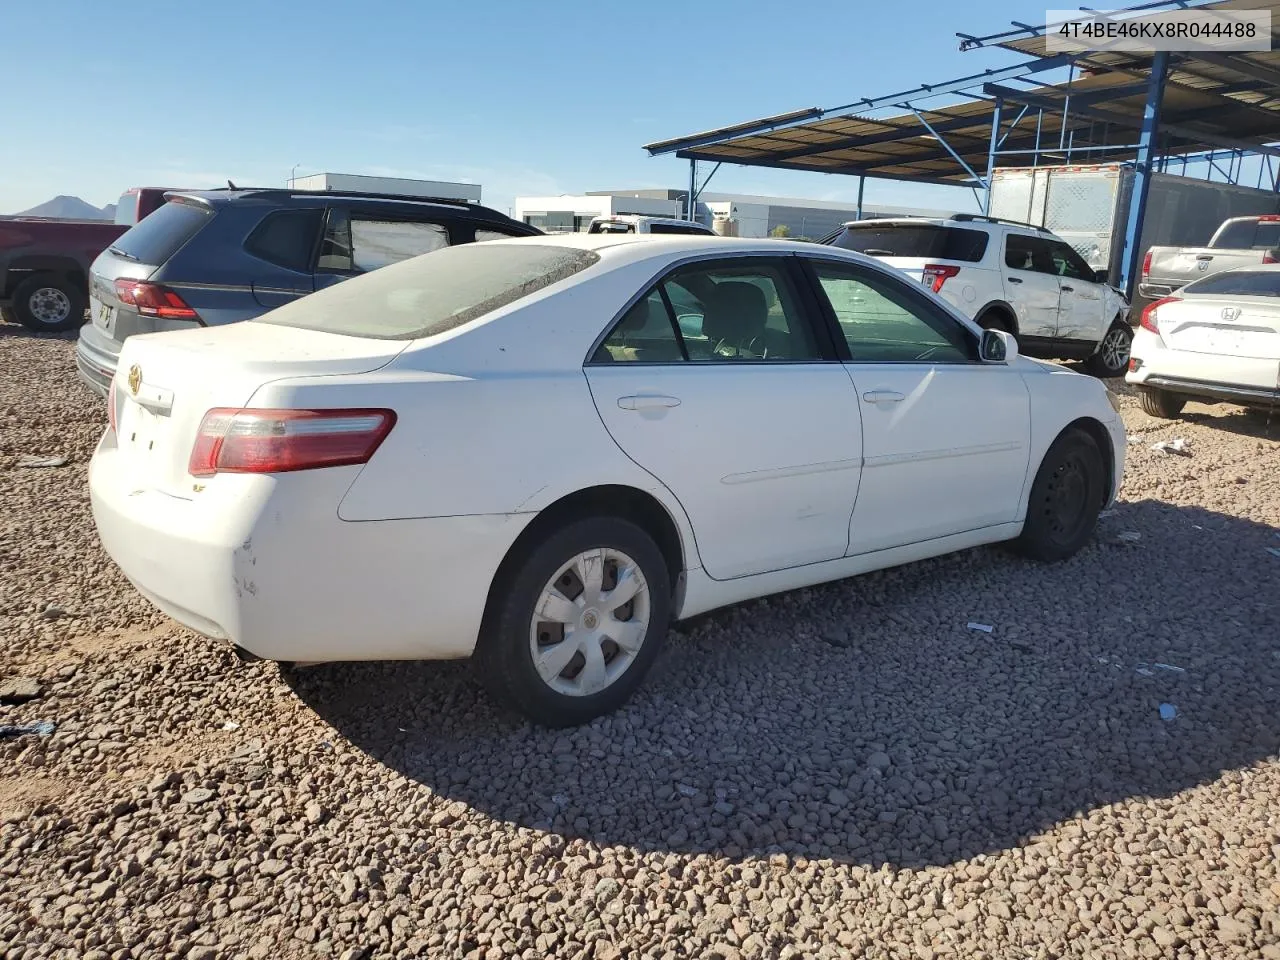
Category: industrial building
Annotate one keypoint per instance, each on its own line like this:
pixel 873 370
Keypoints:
pixel 359 183
pixel 735 215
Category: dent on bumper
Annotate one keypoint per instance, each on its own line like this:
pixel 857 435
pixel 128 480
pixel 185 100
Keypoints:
pixel 262 565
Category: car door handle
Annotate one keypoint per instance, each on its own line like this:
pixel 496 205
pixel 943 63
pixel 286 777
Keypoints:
pixel 648 402
pixel 883 396
pixel 1014 279
pixel 1066 289
pixel 1205 256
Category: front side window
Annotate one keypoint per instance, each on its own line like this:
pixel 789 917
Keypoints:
pixel 482 235
pixel 1068 263
pixel 1022 252
pixel 883 321
pixel 722 312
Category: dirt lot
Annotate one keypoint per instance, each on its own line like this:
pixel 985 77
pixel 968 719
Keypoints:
pixel 842 771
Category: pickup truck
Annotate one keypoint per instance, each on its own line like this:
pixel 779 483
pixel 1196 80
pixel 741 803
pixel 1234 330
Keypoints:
pixel 1239 242
pixel 44 262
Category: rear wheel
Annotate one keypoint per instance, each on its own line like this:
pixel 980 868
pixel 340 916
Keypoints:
pixel 1160 403
pixel 48 303
pixel 1066 498
pixel 1112 358
pixel 573 630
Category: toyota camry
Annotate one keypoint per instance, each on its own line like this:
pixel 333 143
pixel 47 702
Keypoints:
pixel 540 452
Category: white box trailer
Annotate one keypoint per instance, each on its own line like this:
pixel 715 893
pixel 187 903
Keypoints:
pixel 359 183
pixel 1088 206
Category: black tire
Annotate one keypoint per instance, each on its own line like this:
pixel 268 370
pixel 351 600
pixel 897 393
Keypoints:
pixel 995 320
pixel 1160 403
pixel 1066 498
pixel 504 655
pixel 35 300
pixel 1112 358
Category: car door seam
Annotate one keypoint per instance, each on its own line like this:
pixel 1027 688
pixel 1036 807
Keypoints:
pixel 800 470
pixel 891 459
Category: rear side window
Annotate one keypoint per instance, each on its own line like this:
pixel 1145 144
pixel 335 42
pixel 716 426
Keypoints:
pixel 156 238
pixel 1268 235
pixel 1238 283
pixel 675 228
pixel 927 240
pixel 286 238
pixel 430 295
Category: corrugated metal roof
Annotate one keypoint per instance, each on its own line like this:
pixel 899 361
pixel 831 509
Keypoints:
pixel 1210 101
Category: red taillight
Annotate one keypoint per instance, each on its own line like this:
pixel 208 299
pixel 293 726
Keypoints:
pixel 935 275
pixel 277 441
pixel 111 405
pixel 1268 256
pixel 1269 218
pixel 1146 265
pixel 1148 321
pixel 153 300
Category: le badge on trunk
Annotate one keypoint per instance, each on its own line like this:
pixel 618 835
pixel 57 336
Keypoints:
pixel 135 379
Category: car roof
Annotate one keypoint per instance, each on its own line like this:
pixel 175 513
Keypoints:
pixel 283 197
pixel 619 248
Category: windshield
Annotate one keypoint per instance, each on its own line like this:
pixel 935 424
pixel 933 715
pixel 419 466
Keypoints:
pixel 1238 283
pixel 924 240
pixel 435 292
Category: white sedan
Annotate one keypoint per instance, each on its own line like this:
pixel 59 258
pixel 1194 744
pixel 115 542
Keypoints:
pixel 1215 339
pixel 540 452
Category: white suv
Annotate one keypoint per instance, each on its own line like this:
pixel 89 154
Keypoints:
pixel 1010 276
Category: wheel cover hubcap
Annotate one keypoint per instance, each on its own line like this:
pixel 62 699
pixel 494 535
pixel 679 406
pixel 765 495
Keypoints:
pixel 1066 499
pixel 1115 349
pixel 49 305
pixel 590 622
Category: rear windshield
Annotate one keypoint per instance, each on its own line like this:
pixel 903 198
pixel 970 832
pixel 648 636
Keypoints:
pixel 612 227
pixel 156 238
pixel 433 293
pixel 927 240
pixel 674 228
pixel 127 209
pixel 1238 283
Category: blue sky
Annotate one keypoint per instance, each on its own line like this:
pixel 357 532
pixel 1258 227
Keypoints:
pixel 554 96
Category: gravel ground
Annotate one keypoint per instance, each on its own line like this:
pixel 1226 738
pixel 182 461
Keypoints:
pixel 841 771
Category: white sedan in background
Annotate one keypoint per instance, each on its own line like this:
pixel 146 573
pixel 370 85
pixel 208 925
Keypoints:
pixel 541 452
pixel 1215 339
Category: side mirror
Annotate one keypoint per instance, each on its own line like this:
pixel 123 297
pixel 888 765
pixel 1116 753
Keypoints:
pixel 997 346
pixel 1101 276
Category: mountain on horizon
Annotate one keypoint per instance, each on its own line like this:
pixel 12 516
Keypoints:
pixel 68 208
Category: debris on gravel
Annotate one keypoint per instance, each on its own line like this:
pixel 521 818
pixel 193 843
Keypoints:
pixel 838 771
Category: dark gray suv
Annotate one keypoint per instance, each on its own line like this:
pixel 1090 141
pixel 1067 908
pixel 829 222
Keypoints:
pixel 221 256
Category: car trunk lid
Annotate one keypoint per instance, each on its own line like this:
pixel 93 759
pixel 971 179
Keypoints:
pixel 166 383
pixel 1246 327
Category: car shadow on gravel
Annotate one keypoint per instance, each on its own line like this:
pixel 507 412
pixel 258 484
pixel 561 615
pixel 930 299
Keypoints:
pixel 866 721
pixel 18 330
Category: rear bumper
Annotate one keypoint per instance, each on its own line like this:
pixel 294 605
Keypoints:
pixel 97 357
pixel 265 563
pixel 1243 380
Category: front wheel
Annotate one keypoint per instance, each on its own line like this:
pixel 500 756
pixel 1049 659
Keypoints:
pixel 574 629
pixel 1066 498
pixel 1112 357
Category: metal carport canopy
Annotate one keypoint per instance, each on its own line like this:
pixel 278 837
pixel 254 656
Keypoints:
pixel 1212 101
